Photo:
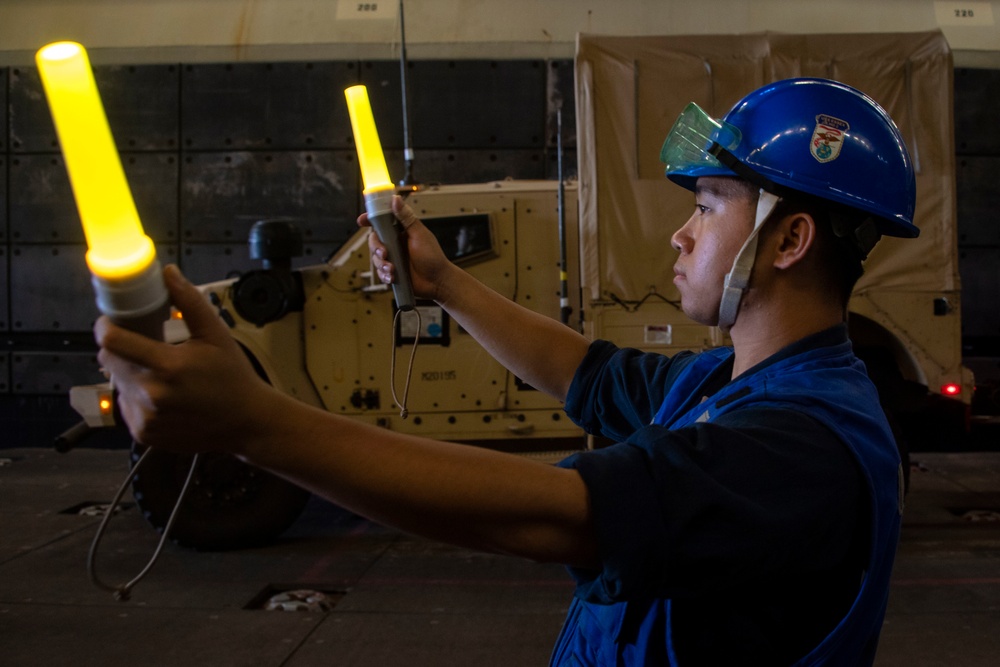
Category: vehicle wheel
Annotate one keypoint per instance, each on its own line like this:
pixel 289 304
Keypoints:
pixel 229 504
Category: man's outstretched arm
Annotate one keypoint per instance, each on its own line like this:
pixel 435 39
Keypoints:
pixel 203 395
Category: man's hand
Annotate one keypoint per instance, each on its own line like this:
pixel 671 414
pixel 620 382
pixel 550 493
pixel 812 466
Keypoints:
pixel 428 263
pixel 200 395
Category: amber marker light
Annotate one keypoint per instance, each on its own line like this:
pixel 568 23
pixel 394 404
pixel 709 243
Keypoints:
pixel 121 258
pixel 379 190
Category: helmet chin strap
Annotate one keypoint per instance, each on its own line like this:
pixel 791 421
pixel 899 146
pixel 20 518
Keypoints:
pixel 739 276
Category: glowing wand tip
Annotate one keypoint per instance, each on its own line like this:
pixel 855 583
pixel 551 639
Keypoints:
pixel 120 256
pixel 379 190
pixel 374 171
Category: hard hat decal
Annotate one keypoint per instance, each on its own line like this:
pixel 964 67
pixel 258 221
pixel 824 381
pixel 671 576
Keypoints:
pixel 828 137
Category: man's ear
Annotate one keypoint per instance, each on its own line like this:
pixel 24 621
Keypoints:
pixel 794 236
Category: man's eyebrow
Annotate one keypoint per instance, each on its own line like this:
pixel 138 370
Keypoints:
pixel 715 190
pixel 721 189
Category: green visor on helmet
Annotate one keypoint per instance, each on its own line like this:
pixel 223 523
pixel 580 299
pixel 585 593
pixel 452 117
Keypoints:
pixel 694 142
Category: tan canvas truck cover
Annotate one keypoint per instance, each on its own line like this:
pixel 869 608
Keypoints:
pixel 631 89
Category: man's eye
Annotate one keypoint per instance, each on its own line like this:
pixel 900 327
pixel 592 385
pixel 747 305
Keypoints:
pixel 701 208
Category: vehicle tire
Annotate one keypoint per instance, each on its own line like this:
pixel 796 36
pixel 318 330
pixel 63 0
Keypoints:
pixel 229 504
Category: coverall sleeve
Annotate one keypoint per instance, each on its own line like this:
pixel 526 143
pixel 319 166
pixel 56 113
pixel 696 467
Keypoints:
pixel 618 390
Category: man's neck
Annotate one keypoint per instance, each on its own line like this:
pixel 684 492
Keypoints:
pixel 762 332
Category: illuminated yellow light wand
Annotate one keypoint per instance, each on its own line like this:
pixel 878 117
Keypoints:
pixel 126 274
pixel 378 191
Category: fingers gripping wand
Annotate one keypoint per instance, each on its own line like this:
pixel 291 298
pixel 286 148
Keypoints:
pixel 126 275
pixel 378 191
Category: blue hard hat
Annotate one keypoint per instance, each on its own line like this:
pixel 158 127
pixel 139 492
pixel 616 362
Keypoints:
pixel 814 136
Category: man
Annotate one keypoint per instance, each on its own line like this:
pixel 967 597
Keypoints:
pixel 750 510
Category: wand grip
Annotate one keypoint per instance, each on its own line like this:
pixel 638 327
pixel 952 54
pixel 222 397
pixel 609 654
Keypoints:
pixel 138 303
pixel 149 325
pixel 390 232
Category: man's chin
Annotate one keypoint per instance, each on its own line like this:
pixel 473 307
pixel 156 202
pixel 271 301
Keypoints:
pixel 708 319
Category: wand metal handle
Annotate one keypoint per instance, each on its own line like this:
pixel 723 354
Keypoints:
pixel 390 232
pixel 139 303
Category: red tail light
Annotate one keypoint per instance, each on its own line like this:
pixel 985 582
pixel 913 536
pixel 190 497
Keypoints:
pixel 951 389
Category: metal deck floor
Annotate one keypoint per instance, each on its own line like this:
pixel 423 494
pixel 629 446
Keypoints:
pixel 403 600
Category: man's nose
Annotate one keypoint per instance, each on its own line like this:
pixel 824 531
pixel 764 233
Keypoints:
pixel 680 240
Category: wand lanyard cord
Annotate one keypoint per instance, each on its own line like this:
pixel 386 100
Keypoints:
pixel 403 412
pixel 124 591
